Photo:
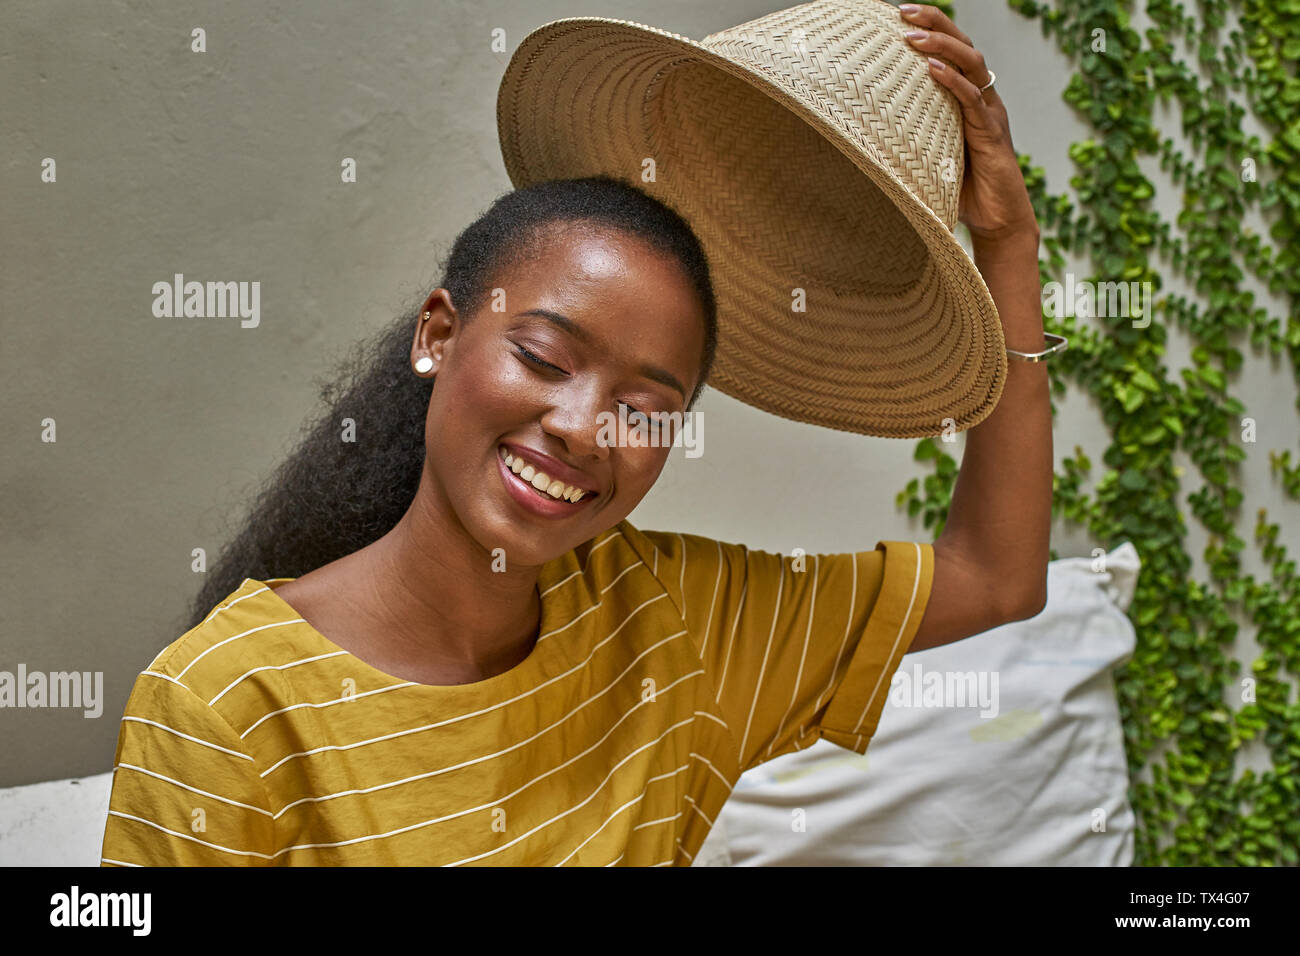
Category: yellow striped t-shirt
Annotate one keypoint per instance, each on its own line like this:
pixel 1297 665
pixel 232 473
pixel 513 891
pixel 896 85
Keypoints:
pixel 667 664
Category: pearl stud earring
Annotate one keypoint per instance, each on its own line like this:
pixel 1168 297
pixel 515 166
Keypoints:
pixel 423 364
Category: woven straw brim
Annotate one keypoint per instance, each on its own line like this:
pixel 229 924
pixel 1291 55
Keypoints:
pixel 900 337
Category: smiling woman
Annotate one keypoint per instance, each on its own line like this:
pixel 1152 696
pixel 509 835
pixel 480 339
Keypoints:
pixel 443 643
pixel 548 244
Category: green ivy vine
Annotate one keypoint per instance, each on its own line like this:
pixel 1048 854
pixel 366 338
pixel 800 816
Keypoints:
pixel 1186 707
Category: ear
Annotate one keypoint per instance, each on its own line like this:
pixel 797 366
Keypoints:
pixel 434 331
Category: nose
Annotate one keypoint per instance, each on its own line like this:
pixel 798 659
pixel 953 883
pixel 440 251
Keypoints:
pixel 575 418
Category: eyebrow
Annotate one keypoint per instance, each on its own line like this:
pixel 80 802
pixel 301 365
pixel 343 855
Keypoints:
pixel 652 372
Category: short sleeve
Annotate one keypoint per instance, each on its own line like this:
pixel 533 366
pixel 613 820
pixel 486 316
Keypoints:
pixel 797 646
pixel 185 792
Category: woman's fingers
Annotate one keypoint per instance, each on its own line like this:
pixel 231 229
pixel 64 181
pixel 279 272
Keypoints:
pixel 965 77
pixel 973 105
pixel 986 127
pixel 932 18
pixel 964 56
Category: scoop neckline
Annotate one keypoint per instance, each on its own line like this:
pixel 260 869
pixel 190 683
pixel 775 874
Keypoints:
pixel 535 661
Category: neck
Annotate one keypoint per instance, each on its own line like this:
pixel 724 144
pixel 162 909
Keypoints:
pixel 429 587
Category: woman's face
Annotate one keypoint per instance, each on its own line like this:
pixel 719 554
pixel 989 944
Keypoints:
pixel 626 329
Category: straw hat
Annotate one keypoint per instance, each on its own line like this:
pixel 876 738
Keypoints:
pixel 809 149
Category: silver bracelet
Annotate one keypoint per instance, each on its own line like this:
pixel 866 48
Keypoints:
pixel 1060 346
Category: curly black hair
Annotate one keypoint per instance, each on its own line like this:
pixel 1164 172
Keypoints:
pixel 330 498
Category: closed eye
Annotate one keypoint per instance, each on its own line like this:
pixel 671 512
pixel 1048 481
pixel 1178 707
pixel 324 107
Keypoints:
pixel 534 360
pixel 537 361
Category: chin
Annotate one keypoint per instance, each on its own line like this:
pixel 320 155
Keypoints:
pixel 521 542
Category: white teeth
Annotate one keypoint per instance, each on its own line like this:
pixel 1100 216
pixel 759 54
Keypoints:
pixel 540 480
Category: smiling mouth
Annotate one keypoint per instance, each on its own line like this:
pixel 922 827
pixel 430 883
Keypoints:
pixel 541 483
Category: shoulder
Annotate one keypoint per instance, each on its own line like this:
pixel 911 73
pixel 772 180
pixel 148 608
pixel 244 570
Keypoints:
pixel 624 560
pixel 246 629
pixel 687 565
pixel 681 556
pixel 672 547
pixel 656 549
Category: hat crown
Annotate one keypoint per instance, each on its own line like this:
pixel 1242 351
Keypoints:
pixel 851 59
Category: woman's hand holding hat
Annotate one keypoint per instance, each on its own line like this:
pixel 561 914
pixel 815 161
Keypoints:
pixel 994 202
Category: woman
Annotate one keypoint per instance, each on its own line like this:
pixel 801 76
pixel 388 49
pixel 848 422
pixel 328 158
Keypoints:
pixel 475 658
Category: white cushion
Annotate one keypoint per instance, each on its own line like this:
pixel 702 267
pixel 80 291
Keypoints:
pixel 54 823
pixel 1041 779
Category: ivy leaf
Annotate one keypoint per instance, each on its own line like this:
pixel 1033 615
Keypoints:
pixel 1131 398
pixel 1132 480
pixel 1142 379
